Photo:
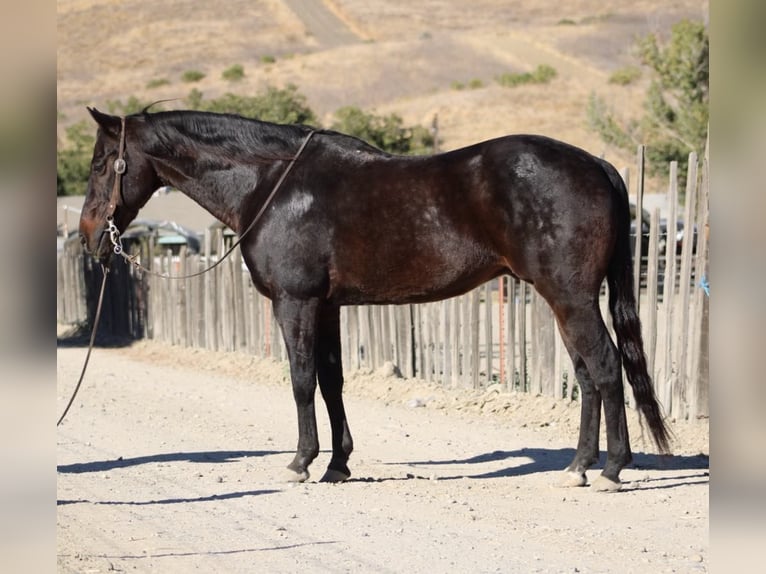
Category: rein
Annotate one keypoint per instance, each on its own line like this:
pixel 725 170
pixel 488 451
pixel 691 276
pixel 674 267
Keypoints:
pixel 120 167
pixel 105 270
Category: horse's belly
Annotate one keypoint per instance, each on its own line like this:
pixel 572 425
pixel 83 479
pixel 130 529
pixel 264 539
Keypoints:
pixel 413 279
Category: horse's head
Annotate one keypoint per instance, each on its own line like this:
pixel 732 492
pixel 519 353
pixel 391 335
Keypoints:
pixel 111 195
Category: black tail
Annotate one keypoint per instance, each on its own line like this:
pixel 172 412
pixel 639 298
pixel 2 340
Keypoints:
pixel 627 325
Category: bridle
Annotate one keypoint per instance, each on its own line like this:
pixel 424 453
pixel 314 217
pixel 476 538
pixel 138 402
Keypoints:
pixel 120 166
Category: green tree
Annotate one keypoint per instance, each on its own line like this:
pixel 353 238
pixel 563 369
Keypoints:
pixel 675 120
pixel 386 132
pixel 73 160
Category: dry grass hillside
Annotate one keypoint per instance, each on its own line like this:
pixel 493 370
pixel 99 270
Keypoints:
pixel 388 56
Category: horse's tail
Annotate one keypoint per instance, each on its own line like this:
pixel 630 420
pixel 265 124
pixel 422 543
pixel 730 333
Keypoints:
pixel 627 325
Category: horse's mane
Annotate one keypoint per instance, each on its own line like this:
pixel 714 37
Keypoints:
pixel 230 134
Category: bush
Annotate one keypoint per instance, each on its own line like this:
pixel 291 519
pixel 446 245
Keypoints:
pixel 541 75
pixel 601 119
pixel 385 132
pixel 157 83
pixel 234 73
pixel 190 76
pixel 625 76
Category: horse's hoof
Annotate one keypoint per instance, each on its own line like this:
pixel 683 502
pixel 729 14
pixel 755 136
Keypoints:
pixel 572 479
pixel 604 484
pixel 293 476
pixel 334 476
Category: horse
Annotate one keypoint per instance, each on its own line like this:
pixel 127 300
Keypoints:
pixel 326 220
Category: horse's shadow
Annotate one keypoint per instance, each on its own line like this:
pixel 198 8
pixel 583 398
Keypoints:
pixel 539 460
pixel 210 457
pixel 79 336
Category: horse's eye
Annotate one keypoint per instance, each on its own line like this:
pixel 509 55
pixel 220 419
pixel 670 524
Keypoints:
pixel 98 167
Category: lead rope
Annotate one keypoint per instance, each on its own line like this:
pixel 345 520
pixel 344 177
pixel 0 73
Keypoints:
pixel 105 271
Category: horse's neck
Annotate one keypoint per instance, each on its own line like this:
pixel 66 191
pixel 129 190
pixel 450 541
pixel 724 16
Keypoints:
pixel 220 191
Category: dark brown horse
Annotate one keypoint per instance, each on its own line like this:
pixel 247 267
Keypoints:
pixel 351 224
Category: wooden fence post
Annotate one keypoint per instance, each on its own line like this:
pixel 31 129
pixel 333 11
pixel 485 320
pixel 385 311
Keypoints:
pixel 543 346
pixel 650 327
pixel 699 399
pixel 501 329
pixel 665 384
pixel 682 329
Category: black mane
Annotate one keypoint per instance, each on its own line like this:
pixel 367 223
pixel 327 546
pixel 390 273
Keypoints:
pixel 230 134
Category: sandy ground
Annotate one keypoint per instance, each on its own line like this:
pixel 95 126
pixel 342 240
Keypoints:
pixel 172 460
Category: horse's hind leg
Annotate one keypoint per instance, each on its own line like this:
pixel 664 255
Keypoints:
pixel 590 420
pixel 599 372
pixel 330 374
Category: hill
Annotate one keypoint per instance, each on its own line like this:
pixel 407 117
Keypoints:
pixel 418 59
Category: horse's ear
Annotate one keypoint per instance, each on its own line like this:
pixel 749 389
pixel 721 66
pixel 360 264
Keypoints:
pixel 110 124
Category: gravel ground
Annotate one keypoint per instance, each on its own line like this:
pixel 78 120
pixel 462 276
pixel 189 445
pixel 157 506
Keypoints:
pixel 172 461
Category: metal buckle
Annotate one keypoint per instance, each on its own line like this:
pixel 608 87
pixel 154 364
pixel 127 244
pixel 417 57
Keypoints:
pixel 120 166
pixel 114 235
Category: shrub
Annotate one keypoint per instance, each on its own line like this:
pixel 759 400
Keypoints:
pixel 190 76
pixel 233 73
pixel 385 132
pixel 625 76
pixel 157 83
pixel 541 75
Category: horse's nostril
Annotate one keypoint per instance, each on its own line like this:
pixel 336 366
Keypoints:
pixel 82 239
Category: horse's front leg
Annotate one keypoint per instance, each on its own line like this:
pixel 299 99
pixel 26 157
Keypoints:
pixel 330 375
pixel 298 320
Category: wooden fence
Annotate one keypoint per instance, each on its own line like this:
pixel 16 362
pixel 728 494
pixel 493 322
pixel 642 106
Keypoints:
pixel 500 333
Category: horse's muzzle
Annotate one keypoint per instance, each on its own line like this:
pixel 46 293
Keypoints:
pixel 95 240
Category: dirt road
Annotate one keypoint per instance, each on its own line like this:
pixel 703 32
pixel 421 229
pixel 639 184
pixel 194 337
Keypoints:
pixel 169 463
